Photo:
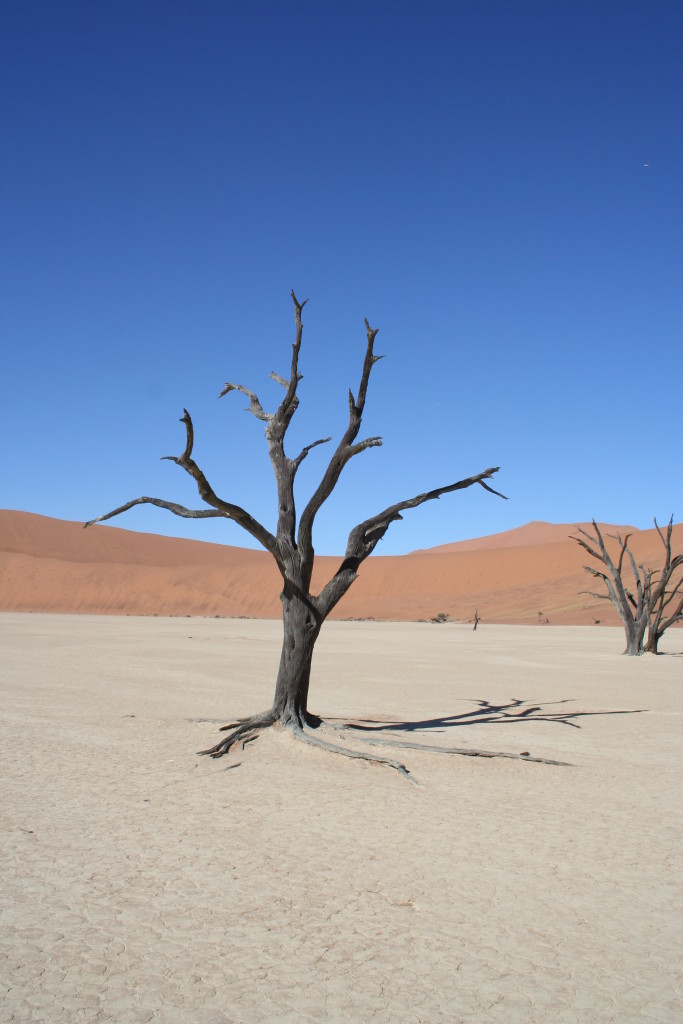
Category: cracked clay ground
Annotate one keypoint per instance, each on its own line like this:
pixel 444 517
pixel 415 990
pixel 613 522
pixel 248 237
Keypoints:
pixel 142 883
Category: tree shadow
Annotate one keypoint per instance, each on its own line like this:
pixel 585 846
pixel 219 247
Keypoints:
pixel 486 713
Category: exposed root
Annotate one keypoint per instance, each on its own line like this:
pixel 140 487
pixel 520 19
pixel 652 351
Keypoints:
pixel 434 749
pixel 306 737
pixel 236 724
pixel 244 731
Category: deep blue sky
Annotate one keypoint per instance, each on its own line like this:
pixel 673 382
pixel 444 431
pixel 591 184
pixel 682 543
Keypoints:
pixel 495 185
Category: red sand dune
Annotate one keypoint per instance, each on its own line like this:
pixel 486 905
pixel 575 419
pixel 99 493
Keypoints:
pixel 56 566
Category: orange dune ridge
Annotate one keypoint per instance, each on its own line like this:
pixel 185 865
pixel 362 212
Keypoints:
pixel 522 576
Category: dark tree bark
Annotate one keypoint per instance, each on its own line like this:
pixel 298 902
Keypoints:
pixel 292 548
pixel 648 604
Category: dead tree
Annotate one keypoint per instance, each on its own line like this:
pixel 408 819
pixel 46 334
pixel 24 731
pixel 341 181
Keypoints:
pixel 642 605
pixel 292 546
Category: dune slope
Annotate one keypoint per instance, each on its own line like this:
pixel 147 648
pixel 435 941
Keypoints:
pixel 520 576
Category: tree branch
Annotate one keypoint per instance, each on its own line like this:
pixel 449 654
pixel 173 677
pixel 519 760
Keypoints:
pixel 669 530
pixel 219 507
pixel 592 593
pixel 602 554
pixel 595 572
pixel 668 596
pixel 622 550
pixel 383 519
pixel 304 451
pixel 360 446
pixel 254 405
pixel 290 402
pixel 178 510
pixel 641 582
pixel 364 538
pixel 345 450
pixel 587 547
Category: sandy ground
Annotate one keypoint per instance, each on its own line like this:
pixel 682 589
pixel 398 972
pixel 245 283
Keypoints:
pixel 143 883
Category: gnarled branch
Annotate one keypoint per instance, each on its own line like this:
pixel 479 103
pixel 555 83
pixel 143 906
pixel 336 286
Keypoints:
pixel 593 593
pixel 289 404
pixel 360 446
pixel 171 506
pixel 345 450
pixel 309 447
pixel 359 536
pixel 364 538
pixel 219 507
pixel 255 407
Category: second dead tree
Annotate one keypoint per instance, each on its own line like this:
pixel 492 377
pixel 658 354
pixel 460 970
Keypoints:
pixel 652 602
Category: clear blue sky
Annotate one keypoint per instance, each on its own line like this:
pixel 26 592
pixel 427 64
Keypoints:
pixel 497 186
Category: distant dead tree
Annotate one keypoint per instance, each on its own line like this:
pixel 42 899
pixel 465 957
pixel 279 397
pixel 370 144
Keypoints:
pixel 292 548
pixel 543 619
pixel 477 620
pixel 652 602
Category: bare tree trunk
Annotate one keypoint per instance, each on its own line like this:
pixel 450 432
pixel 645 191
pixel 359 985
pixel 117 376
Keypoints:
pixel 635 631
pixel 301 624
pixel 651 645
